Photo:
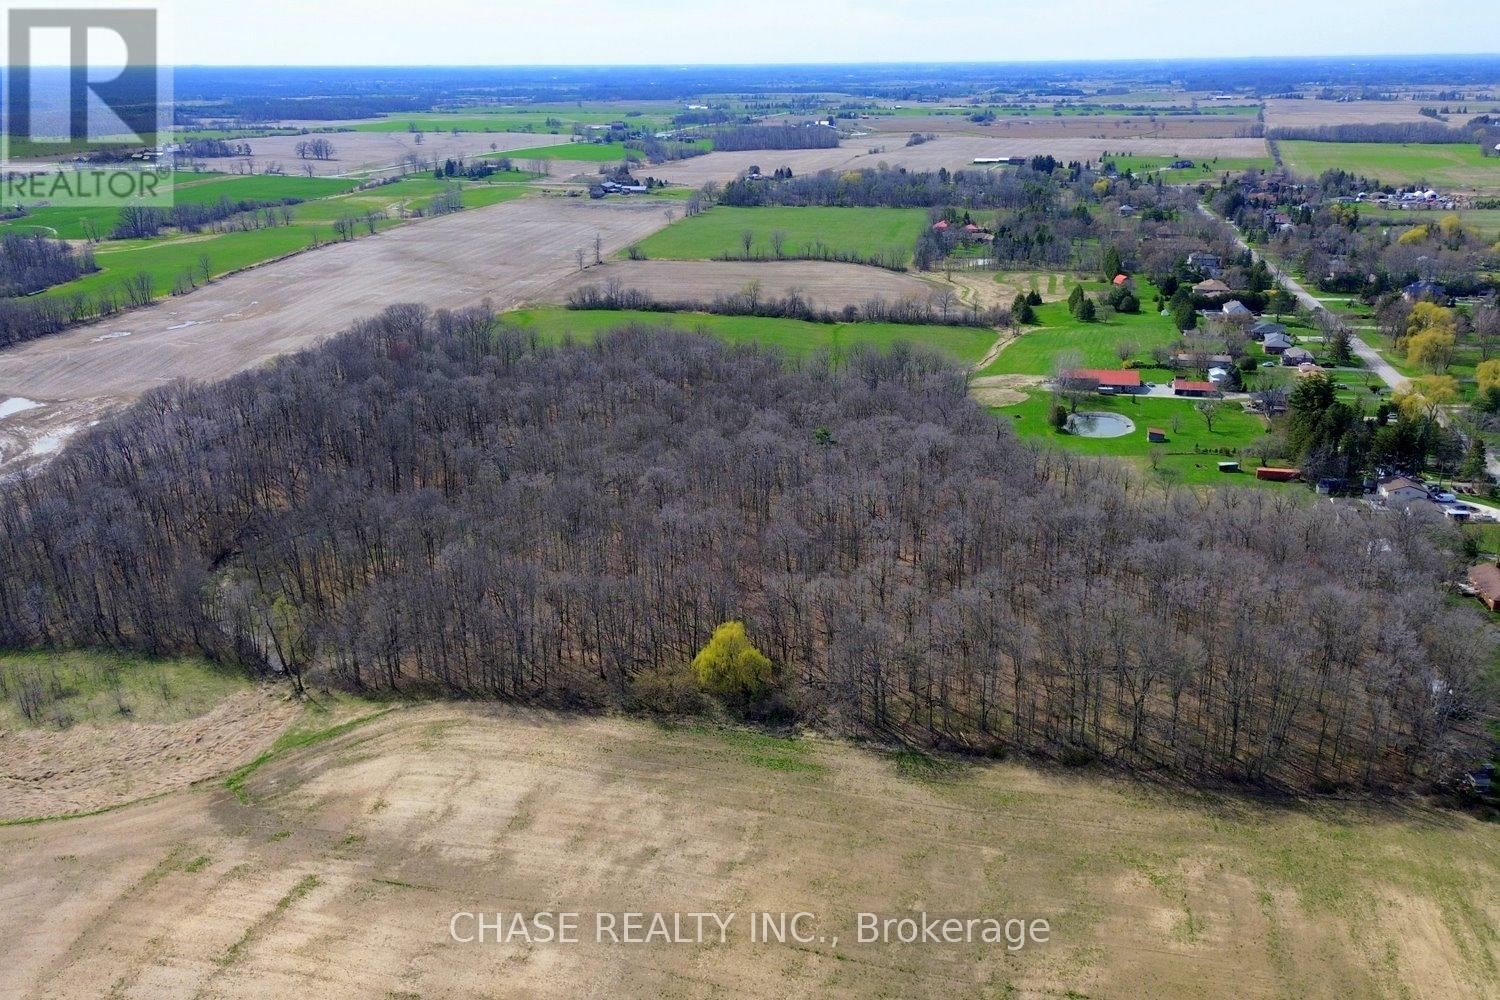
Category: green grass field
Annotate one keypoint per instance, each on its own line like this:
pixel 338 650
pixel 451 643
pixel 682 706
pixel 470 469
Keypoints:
pixel 1484 221
pixel 1190 455
pixel 720 231
pixel 1210 169
pixel 966 345
pixel 169 257
pixel 94 687
pixel 67 221
pixel 589 152
pixel 1035 350
pixel 1456 165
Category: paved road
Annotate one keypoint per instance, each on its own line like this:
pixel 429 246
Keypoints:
pixel 1367 354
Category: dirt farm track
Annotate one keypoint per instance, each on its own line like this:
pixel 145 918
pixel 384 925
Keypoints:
pixel 337 870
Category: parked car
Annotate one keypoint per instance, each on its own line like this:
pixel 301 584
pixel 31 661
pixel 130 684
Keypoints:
pixel 1444 498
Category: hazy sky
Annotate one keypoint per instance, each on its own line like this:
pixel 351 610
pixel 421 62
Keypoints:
pixel 493 32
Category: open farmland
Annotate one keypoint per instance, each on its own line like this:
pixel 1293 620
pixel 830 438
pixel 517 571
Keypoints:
pixel 965 344
pixel 826 284
pixel 719 232
pixel 1450 166
pixel 508 253
pixel 955 152
pixel 1311 113
pixel 1072 126
pixel 1204 169
pixel 366 153
pixel 337 866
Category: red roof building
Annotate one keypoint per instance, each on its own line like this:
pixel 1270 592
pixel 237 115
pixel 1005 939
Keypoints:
pixel 1120 279
pixel 1188 387
pixel 940 225
pixel 1115 379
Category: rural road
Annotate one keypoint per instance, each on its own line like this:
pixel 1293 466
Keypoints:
pixel 1367 354
pixel 507 254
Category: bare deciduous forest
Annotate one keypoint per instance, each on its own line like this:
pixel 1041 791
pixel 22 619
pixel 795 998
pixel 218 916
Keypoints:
pixel 428 502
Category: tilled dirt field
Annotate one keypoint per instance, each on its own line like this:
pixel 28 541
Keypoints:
pixel 1310 113
pixel 370 152
pixel 955 152
pixel 46 773
pixel 828 285
pixel 506 253
pixel 341 872
pixel 1077 126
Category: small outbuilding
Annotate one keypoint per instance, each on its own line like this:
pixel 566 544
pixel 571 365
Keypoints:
pixel 1155 435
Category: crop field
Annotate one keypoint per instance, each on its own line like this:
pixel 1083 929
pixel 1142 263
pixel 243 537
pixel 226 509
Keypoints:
pixel 1036 349
pixel 364 154
pixel 338 852
pixel 826 284
pixel 1190 455
pixel 509 253
pixel 169 257
pixel 966 345
pixel 1310 113
pixel 557 121
pixel 720 231
pixel 585 152
pixel 1452 165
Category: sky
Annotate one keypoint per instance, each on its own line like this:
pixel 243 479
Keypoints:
pixel 663 32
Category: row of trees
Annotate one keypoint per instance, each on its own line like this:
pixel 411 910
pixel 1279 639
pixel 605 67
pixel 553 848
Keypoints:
pixel 429 503
pixel 941 308
pixel 743 137
pixel 31 263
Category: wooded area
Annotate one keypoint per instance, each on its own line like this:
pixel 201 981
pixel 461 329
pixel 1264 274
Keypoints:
pixel 426 503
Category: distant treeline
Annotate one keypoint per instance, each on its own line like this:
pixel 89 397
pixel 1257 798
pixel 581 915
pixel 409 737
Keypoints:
pixel 272 109
pixel 745 137
pixel 666 150
pixel 936 310
pixel 1420 132
pixel 896 189
pixel 31 263
pixel 143 222
pixel 429 504
pixel 209 149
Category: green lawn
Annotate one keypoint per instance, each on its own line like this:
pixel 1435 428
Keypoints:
pixel 720 231
pixel 1207 169
pixel 966 345
pixel 1034 351
pixel 1190 455
pixel 1446 165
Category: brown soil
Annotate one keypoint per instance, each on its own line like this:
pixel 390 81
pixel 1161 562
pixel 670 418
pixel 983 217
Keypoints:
pixel 341 875
pixel 47 773
pixel 1001 390
pixel 372 152
pixel 508 253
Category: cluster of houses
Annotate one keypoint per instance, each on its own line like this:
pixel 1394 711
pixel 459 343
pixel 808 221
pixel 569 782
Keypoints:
pixel 968 232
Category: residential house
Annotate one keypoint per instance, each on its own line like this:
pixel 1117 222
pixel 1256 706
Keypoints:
pixel 1208 263
pixel 1424 291
pixel 1401 490
pixel 1235 309
pixel 1211 287
pixel 1127 210
pixel 1485 579
pixel 1291 357
pixel 1276 344
pixel 1108 380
